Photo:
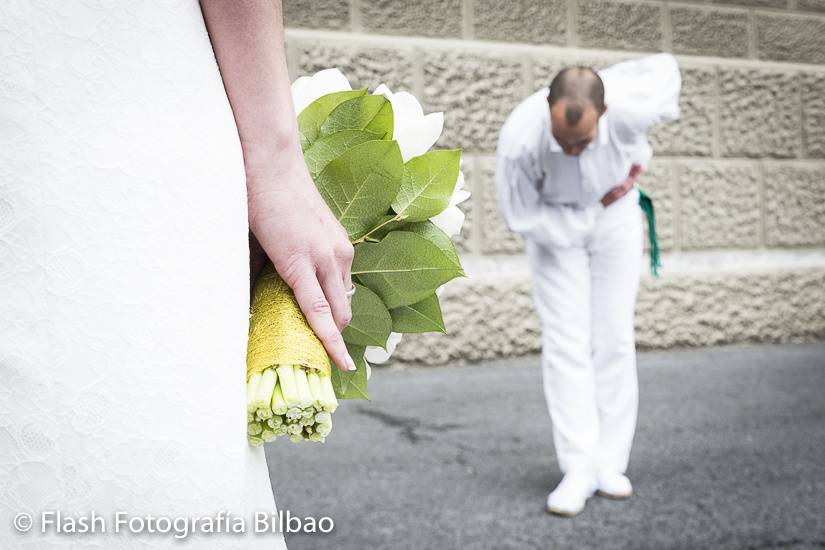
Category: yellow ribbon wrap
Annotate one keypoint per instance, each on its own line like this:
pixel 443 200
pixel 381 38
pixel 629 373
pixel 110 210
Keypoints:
pixel 278 331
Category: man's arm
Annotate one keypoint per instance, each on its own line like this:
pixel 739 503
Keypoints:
pixel 642 92
pixel 517 193
pixel 521 204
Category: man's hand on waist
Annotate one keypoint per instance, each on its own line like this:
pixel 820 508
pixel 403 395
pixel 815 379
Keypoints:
pixel 621 190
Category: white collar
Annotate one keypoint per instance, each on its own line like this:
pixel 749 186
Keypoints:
pixel 603 136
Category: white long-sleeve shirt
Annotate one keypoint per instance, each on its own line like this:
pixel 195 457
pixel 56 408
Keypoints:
pixel 544 194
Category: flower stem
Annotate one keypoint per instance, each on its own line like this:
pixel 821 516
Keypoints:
pixel 323 418
pixel 302 384
pixel 329 403
pixel 263 394
pixel 278 404
pixel 315 387
pixel 366 235
pixel 251 391
pixel 286 376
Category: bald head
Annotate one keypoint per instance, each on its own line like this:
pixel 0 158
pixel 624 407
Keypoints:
pixel 578 86
pixel 576 101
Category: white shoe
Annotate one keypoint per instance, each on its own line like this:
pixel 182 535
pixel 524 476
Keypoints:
pixel 569 498
pixel 613 485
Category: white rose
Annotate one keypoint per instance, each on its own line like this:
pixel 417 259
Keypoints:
pixel 307 89
pixel 452 218
pixel 377 355
pixel 414 132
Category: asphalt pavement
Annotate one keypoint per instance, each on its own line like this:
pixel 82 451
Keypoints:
pixel 729 454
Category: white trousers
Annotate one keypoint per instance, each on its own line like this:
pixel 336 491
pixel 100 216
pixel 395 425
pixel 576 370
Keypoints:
pixel 586 295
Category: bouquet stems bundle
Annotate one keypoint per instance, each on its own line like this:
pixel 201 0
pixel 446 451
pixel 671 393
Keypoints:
pixel 288 390
pixel 370 160
pixel 289 400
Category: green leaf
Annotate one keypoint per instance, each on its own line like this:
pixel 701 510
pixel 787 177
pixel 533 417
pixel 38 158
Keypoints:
pixel 385 225
pixel 328 148
pixel 423 316
pixel 427 184
pixel 404 267
pixel 311 118
pixel 360 184
pixel 371 322
pixel 351 385
pixel 432 233
pixel 372 113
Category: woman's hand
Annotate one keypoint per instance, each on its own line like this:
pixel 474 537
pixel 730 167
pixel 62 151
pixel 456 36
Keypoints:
pixel 287 215
pixel 308 247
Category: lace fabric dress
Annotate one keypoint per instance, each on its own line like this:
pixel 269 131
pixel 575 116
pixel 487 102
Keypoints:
pixel 123 276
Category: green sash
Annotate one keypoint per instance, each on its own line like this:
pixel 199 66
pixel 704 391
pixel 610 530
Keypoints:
pixel 647 206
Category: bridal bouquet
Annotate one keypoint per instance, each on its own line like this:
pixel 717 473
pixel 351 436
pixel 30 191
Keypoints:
pixel 369 155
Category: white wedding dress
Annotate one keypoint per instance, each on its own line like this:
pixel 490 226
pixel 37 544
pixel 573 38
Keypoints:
pixel 123 276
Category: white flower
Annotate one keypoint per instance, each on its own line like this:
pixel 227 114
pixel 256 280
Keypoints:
pixel 307 89
pixel 452 218
pixel 449 221
pixel 414 132
pixel 377 355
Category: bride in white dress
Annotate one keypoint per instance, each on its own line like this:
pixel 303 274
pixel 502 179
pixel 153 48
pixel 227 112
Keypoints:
pixel 131 162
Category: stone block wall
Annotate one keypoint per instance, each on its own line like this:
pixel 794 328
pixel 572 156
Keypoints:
pixel 738 181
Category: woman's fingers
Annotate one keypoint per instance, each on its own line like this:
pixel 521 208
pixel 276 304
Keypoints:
pixel 318 312
pixel 333 286
pixel 344 260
